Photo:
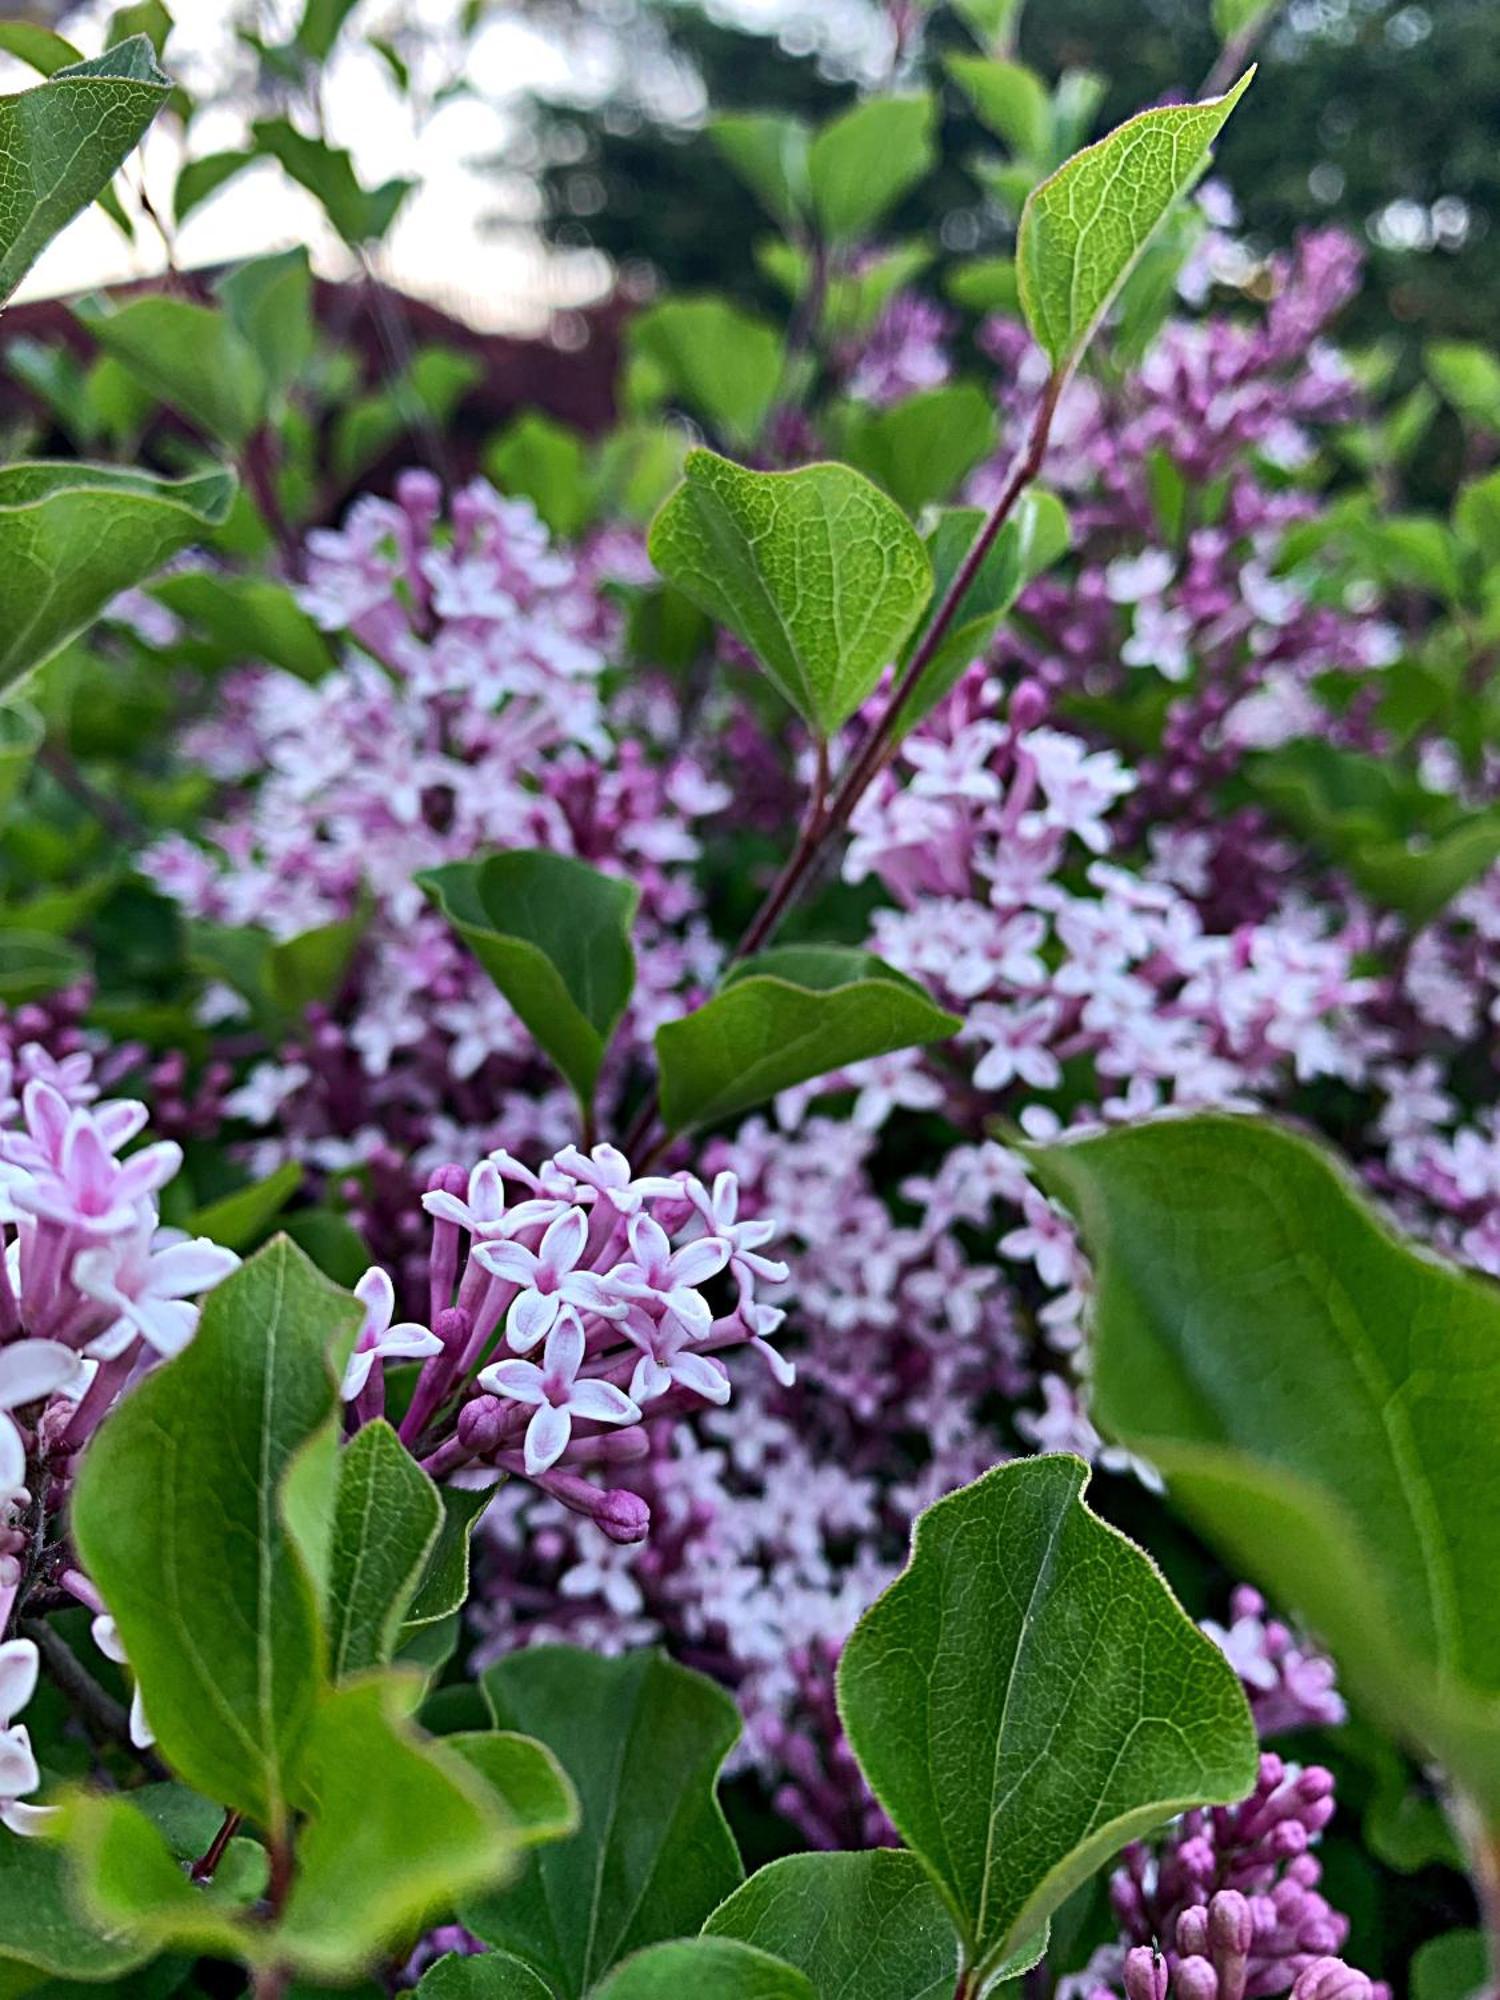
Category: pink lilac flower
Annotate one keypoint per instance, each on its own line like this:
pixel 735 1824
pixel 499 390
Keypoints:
pixel 556 1393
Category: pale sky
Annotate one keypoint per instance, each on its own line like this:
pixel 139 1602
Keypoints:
pixel 498 278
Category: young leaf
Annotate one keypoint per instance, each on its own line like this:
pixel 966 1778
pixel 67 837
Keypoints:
pixel 862 162
pixel 385 1523
pixel 861 1926
pixel 190 356
pixel 61 143
pixel 1034 537
pixel 74 536
pixel 642 1741
pixel 1323 1397
pixel 177 1516
pixel 920 450
pixel 768 150
pixel 714 1968
pixel 400 1828
pixel 554 935
pixel 40 1924
pixel 1028 1696
pixel 1082 229
pixel 820 574
pixel 783 1018
pixel 723 364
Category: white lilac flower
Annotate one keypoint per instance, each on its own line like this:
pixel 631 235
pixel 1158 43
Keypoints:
pixel 557 1393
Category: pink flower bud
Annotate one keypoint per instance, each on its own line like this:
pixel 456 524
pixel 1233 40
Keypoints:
pixel 481 1424
pixel 1145 1974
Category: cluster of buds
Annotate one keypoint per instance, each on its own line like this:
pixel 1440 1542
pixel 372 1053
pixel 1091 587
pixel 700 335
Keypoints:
pixel 561 1322
pixel 1232 1899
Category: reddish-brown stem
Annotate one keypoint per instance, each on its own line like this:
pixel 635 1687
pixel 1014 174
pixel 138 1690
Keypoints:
pixel 826 816
pixel 206 1866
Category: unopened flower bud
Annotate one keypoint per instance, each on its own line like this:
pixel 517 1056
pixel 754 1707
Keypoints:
pixel 453 1326
pixel 1192 1932
pixel 624 1516
pixel 481 1424
pixel 1196 1980
pixel 1231 1923
pixel 1145 1974
pixel 1028 704
pixel 1331 1979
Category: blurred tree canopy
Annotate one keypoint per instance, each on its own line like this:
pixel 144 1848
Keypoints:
pixel 1381 115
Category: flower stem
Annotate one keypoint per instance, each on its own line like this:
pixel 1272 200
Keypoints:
pixel 205 1867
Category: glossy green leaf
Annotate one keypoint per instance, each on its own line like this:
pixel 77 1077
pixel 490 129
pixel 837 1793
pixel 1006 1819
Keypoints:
pixel 862 162
pixel 190 356
pixel 554 935
pixel 921 449
pixel 817 571
pixel 768 150
pixel 360 215
pixel 73 536
pixel 710 1968
pixel 1323 1398
pixel 386 1519
pixel 783 1018
pixel 177 1517
pixel 1035 536
pixel 642 1741
pixel 1082 229
pixel 537 1793
pixel 1028 1696
pixel 721 363
pixel 1011 99
pixel 400 1828
pixel 861 1926
pixel 61 143
pixel 241 1219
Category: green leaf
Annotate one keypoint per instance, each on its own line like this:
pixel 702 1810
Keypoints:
pixel 359 215
pixel 270 302
pixel 1011 99
pixel 188 355
pixel 537 1792
pixel 249 618
pixel 920 450
pixel 1028 1696
pixel 401 1828
pixel 709 1968
pixel 1468 376
pixel 1476 514
pixel 820 574
pixel 74 536
pixel 781 1019
pixel 385 1524
pixel 721 363
pixel 203 177
pixel 61 143
pixel 1452 1967
pixel 1239 17
pixel 861 163
pixel 768 150
pixel 241 1219
pixel 861 1926
pixel 1245 1291
pixel 554 935
pixel 444 1584
pixel 177 1517
pixel 494 1975
pixel 985 285
pixel 40 1924
pixel 38 47
pixel 22 732
pixel 320 26
pixel 1083 229
pixel 1036 535
pixel 549 465
pixel 642 1741
pixel 34 965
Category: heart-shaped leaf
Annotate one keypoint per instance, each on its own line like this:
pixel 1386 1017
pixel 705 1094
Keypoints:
pixel 642 1741
pixel 1028 1696
pixel 791 1014
pixel 74 536
pixel 1324 1399
pixel 1084 227
pixel 818 571
pixel 554 935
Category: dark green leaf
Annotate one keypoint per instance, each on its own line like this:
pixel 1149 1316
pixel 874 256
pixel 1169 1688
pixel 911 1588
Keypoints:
pixel 1324 1399
pixel 642 1741
pixel 177 1516
pixel 861 1926
pixel 444 1585
pixel 782 1019
pixel 1028 1696
pixel 200 178
pixel 710 1969
pixel 554 935
pixel 32 966
pixel 74 536
pixel 820 574
pixel 39 1921
pixel 359 215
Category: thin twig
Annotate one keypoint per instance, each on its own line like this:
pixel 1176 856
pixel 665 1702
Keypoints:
pixel 57 761
pixel 105 1719
pixel 206 1866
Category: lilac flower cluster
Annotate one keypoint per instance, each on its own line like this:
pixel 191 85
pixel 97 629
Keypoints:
pixel 561 1324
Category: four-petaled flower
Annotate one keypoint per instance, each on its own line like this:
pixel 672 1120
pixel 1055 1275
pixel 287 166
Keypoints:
pixel 557 1393
pixel 29 1371
pixel 666 1358
pixel 378 1339
pixel 664 1280
pixel 549 1279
